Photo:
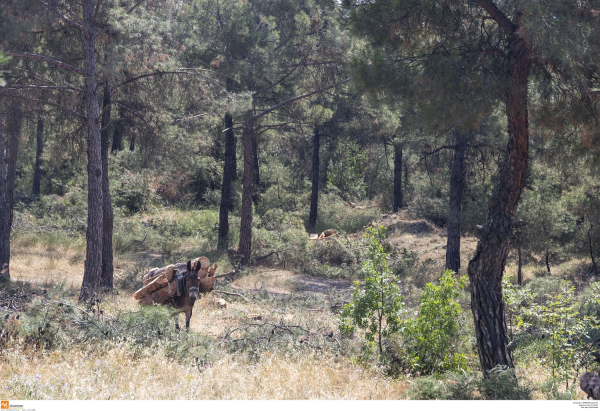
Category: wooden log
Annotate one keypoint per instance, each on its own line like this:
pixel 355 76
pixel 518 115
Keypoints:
pixel 155 284
pixel 204 262
pixel 224 274
pixel 207 284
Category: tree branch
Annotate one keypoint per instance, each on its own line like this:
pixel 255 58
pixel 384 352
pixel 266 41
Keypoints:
pixel 35 87
pixel 504 22
pixel 49 60
pixel 63 16
pixel 292 99
pixel 70 110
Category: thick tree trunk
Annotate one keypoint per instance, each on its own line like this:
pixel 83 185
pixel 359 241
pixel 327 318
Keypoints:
pixel 9 151
pixel 106 279
pixel 90 286
pixel 314 196
pixel 245 245
pixel 37 169
pixel 4 211
pixel 487 266
pixel 398 195
pixel 229 176
pixel 457 183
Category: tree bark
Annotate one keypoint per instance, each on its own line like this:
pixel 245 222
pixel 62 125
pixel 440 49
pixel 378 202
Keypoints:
pixel 255 165
pixel 457 183
pixel 487 266
pixel 229 176
pixel 314 196
pixel 4 212
pixel 90 286
pixel 398 195
pixel 14 125
pixel 520 268
pixel 117 139
pixel 106 278
pixel 245 244
pixel 37 169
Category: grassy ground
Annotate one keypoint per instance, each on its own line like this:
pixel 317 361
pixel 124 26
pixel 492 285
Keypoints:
pixel 278 340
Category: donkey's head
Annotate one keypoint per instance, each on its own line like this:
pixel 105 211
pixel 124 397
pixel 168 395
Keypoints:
pixel 192 280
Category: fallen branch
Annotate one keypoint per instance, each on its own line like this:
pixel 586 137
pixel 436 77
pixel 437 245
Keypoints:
pixel 235 294
pixel 224 274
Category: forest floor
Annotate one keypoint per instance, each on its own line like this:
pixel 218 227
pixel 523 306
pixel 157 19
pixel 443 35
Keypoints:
pixel 310 362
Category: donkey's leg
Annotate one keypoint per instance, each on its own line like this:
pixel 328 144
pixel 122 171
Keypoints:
pixel 188 316
pixel 176 319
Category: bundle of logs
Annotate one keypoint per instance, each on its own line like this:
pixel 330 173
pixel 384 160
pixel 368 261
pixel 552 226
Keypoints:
pixel 162 284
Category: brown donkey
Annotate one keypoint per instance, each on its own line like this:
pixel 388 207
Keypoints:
pixel 188 288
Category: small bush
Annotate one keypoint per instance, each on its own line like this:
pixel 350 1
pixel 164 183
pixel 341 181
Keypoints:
pixel 432 340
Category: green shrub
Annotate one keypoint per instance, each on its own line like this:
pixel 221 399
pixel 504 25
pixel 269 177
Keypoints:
pixel 432 339
pixel 377 310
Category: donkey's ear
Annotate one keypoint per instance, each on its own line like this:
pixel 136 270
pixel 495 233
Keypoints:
pixel 189 265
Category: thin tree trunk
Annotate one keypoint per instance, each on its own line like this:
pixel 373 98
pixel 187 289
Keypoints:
pixel 37 169
pixel 4 211
pixel 256 193
pixel 548 261
pixel 314 196
pixel 106 279
pixel 520 269
pixel 457 183
pixel 117 139
pixel 90 286
pixel 487 266
pixel 229 176
pixel 245 244
pixel 132 143
pixel 14 125
pixel 398 195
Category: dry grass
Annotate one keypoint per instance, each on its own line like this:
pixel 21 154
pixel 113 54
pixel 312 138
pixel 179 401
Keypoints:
pixel 116 375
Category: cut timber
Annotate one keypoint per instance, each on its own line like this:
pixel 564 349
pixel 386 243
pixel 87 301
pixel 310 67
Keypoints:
pixel 204 263
pixel 207 284
pixel 155 284
pixel 327 233
pixel 313 236
pixel 159 296
pixel 155 272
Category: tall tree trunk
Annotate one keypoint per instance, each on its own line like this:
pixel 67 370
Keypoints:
pixel 117 139
pixel 14 124
pixel 314 196
pixel 256 193
pixel 37 169
pixel 520 268
pixel 106 278
pixel 132 143
pixel 229 176
pixel 4 211
pixel 90 286
pixel 457 183
pixel 398 195
pixel 245 245
pixel 9 151
pixel 487 266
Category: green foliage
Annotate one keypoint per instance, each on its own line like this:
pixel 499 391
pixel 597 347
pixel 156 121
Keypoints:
pixel 378 308
pixel 347 172
pixel 500 384
pixel 557 314
pixel 432 340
